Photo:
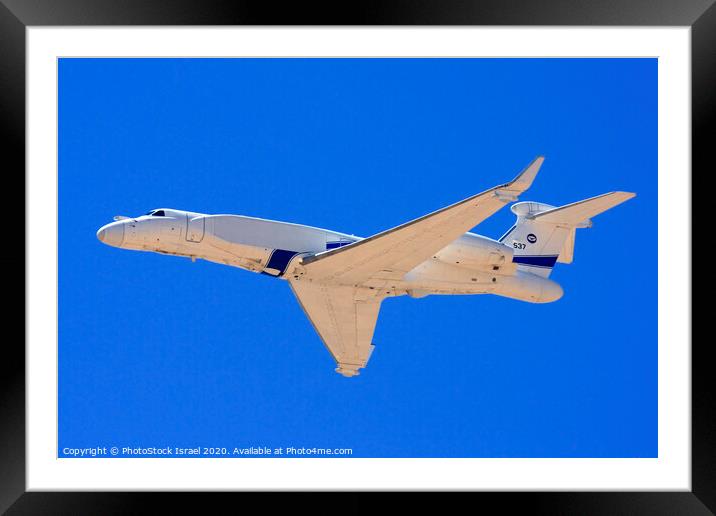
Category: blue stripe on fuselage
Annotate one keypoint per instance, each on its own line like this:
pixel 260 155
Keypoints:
pixel 279 261
pixel 536 261
pixel 335 245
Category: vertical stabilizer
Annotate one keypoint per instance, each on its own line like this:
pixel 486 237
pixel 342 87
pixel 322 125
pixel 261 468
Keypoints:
pixel 544 235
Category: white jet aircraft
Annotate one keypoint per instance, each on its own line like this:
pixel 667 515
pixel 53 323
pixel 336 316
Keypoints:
pixel 340 280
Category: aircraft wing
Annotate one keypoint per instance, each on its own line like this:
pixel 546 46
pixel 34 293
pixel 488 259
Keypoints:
pixel 344 323
pixel 391 254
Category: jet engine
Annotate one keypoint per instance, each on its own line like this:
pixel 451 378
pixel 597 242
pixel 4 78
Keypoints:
pixel 475 252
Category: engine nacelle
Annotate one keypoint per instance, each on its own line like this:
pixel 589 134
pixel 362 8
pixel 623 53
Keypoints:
pixel 528 287
pixel 476 252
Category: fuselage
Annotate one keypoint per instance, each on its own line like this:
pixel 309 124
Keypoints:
pixel 473 264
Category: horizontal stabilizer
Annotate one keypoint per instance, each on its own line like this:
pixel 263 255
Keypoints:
pixel 578 212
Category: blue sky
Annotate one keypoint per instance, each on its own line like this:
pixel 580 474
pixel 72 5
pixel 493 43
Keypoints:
pixel 157 350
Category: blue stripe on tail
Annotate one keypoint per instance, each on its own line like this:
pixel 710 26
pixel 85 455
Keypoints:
pixel 536 261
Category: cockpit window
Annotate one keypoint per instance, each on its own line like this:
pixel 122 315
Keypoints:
pixel 158 213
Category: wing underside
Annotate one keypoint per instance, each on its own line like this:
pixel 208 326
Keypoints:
pixel 393 253
pixel 344 322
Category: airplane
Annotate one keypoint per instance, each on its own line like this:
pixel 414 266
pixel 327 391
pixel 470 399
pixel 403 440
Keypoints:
pixel 340 280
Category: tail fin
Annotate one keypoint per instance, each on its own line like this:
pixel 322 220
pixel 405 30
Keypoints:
pixel 544 235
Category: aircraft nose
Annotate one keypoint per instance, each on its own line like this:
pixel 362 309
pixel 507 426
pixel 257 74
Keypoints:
pixel 111 234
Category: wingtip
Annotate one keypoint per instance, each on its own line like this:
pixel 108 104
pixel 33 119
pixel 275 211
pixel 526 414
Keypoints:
pixel 624 195
pixel 525 179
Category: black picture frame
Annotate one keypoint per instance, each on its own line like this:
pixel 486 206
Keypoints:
pixel 17 15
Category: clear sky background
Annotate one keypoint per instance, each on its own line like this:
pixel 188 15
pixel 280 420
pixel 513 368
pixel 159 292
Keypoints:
pixel 157 350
